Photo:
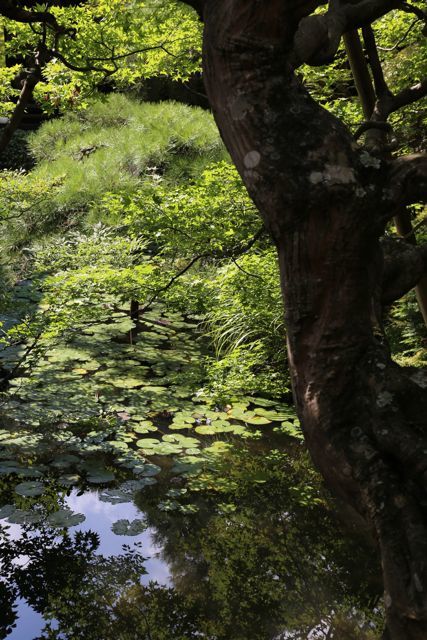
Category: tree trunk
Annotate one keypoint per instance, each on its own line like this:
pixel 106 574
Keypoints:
pixel 325 204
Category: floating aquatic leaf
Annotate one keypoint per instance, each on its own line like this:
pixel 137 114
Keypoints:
pixel 192 451
pixel 150 470
pixel 176 426
pixel 101 477
pixel 7 511
pixel 207 430
pixel 183 441
pixel 168 505
pixel 118 445
pixel 67 354
pixel 126 528
pixel 276 416
pixel 258 420
pixel 144 426
pixel 218 447
pixel 127 383
pixel 148 443
pixel 91 365
pixel 114 496
pixel 174 493
pixel 21 516
pixel 167 449
pixel 215 415
pixel 69 480
pixel 131 486
pixel 262 402
pixel 290 429
pixel 29 489
pixel 239 414
pixel 65 518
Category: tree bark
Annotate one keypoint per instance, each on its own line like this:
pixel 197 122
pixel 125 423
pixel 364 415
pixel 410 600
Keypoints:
pixel 325 202
pixel 16 118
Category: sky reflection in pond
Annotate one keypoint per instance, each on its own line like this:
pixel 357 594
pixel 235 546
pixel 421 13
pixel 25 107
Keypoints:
pixel 99 518
pixel 243 551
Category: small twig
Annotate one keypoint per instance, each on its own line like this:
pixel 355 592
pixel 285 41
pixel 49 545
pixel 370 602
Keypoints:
pixel 167 286
pixel 410 8
pixel 402 39
pixel 252 275
pixel 226 254
pixel 75 67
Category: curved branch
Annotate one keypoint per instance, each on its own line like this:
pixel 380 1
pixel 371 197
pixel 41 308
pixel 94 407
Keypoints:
pixel 28 17
pixel 408 179
pixel 404 266
pixel 32 79
pixel 408 96
pixel 318 36
pixel 75 67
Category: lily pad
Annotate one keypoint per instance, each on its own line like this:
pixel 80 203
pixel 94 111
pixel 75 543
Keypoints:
pixel 114 496
pixel 7 511
pixel 150 470
pixel 65 518
pixel 29 489
pixel 22 516
pixel 129 528
pixel 207 430
pixel 101 477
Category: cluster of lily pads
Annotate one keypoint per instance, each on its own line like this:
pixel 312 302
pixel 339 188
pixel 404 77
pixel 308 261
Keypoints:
pixel 116 401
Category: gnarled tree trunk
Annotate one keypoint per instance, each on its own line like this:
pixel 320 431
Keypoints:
pixel 325 202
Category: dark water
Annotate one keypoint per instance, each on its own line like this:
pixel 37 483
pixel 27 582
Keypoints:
pixel 99 518
pixel 253 552
pixel 134 507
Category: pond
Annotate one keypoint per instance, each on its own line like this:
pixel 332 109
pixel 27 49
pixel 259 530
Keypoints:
pixel 133 505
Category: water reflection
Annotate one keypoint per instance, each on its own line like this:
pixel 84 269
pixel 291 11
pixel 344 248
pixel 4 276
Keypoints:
pixel 247 551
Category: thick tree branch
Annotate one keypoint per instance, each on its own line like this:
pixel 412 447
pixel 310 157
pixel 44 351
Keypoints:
pixel 407 96
pixel 380 84
pixel 408 179
pixel 8 10
pixel 404 266
pixel 410 8
pixel 360 71
pixel 318 36
pixel 24 97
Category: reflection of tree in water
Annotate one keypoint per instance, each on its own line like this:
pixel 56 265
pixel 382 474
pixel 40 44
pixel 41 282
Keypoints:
pixel 90 597
pixel 265 553
pixel 61 577
pixel 262 554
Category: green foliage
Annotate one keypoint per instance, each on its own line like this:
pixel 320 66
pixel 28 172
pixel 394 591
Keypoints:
pixel 245 322
pixel 209 213
pixel 114 148
pixel 407 332
pixel 130 41
pixel 401 45
pixel 166 199
pixel 120 144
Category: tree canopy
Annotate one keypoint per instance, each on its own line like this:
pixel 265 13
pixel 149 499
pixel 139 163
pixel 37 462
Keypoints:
pixel 321 107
